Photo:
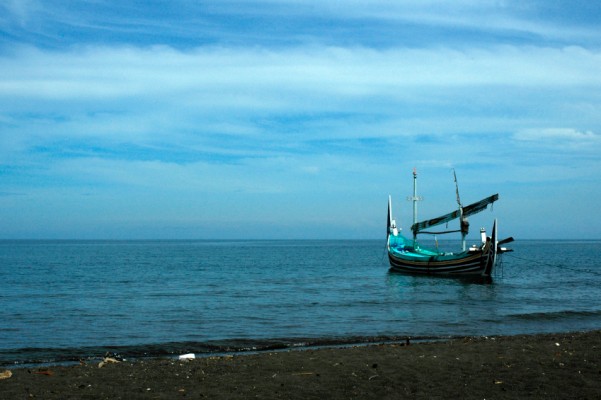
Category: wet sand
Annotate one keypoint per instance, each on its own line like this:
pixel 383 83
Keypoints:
pixel 539 366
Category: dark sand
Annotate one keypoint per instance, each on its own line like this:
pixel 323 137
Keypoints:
pixel 540 366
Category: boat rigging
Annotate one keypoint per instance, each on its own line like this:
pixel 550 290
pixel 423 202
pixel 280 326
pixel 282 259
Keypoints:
pixel 407 255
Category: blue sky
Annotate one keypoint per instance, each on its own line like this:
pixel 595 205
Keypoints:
pixel 296 119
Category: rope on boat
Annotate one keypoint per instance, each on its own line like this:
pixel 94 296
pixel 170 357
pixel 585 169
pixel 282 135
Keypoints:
pixel 384 253
pixel 562 266
pixel 498 272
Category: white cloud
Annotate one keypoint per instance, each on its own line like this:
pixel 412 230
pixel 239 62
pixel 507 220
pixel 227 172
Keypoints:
pixel 558 136
pixel 261 78
pixel 272 101
pixel 99 73
pixel 561 139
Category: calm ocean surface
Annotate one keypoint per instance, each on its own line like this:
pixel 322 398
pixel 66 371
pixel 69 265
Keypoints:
pixel 64 300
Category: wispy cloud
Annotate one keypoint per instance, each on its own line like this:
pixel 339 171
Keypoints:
pixel 380 23
pixel 559 136
pixel 288 104
pixel 20 11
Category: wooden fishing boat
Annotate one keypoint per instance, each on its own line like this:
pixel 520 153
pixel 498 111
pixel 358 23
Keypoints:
pixel 408 256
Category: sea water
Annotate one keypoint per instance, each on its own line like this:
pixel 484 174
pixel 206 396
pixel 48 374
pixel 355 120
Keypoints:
pixel 67 300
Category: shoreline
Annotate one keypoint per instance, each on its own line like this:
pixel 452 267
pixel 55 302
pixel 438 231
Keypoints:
pixel 227 347
pixel 561 365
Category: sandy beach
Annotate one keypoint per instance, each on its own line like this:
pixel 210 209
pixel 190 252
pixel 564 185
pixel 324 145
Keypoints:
pixel 535 366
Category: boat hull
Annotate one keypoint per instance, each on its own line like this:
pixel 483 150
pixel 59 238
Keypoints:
pixel 473 263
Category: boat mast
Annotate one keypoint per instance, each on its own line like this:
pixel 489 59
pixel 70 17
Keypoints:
pixel 415 198
pixel 464 225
